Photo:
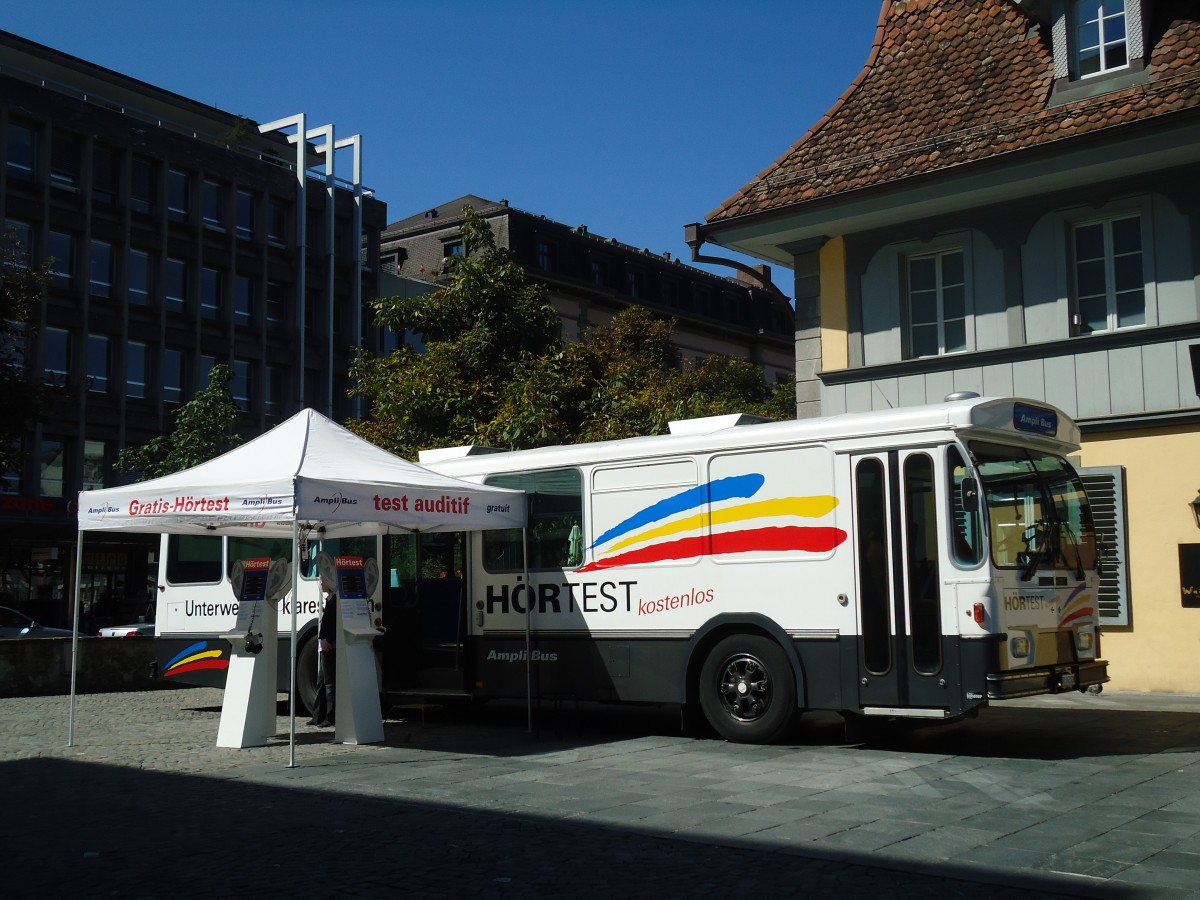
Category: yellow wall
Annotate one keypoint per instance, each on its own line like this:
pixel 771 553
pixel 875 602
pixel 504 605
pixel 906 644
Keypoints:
pixel 835 306
pixel 1161 651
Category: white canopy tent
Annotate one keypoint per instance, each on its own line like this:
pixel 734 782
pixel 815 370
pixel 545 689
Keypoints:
pixel 306 473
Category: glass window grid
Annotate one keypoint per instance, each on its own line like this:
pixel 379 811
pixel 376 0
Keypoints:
pixel 1100 36
pixel 52 467
pixel 94 465
pixel 20 156
pixel 135 370
pixel 100 276
pixel 172 372
pixel 1109 278
pixel 140 278
pixel 178 189
pixel 98 363
pixel 56 353
pixel 937 307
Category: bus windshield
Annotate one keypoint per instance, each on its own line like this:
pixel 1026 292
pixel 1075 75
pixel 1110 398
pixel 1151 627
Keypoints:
pixel 1037 510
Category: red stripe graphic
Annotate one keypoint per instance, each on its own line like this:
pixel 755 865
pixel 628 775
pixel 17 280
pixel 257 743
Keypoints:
pixel 1083 611
pixel 201 664
pixel 813 540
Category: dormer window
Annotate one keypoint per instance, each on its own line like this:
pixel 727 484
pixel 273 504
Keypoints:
pixel 1100 35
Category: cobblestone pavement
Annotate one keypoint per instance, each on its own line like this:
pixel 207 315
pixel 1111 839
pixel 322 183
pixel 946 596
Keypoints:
pixel 1078 796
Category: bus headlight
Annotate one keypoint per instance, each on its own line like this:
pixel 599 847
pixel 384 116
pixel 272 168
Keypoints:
pixel 1084 640
pixel 1019 647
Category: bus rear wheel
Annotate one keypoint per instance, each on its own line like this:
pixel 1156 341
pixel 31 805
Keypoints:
pixel 747 690
pixel 306 675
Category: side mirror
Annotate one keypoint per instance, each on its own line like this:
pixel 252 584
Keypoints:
pixel 970 495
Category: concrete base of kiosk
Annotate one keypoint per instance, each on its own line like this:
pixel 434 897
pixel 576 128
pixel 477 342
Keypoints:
pixel 358 718
pixel 251 694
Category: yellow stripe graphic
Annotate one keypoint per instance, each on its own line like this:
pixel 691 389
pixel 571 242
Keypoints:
pixel 809 507
pixel 207 654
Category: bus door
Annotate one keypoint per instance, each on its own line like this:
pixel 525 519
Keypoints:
pixel 426 613
pixel 900 646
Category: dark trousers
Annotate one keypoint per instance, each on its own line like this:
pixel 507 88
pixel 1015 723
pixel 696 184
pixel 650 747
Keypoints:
pixel 326 673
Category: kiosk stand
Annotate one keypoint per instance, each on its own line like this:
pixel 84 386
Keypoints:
pixel 251 695
pixel 358 717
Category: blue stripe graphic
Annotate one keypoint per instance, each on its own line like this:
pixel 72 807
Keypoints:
pixel 195 648
pixel 736 486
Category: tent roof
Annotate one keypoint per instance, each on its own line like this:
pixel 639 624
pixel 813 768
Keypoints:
pixel 309 470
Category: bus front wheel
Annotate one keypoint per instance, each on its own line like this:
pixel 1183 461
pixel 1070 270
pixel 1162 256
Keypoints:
pixel 747 690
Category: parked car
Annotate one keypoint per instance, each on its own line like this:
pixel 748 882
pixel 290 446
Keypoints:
pixel 15 624
pixel 140 628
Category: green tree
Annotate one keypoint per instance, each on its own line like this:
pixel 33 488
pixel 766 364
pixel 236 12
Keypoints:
pixel 495 371
pixel 480 329
pixel 23 398
pixel 204 429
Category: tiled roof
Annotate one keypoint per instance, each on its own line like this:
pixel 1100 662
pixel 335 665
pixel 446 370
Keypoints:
pixel 953 82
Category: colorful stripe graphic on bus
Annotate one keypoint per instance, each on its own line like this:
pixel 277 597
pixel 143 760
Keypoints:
pixel 672 528
pixel 195 658
pixel 1077 606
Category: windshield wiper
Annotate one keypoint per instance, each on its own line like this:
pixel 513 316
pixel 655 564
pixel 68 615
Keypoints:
pixel 1044 531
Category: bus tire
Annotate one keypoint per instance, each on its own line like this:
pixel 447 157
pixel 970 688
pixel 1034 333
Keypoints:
pixel 306 675
pixel 747 689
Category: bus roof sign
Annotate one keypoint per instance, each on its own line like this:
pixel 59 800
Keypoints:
pixel 1035 419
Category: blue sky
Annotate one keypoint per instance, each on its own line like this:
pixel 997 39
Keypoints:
pixel 633 118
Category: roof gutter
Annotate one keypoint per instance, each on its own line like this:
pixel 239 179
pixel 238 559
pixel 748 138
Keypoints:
pixel 694 239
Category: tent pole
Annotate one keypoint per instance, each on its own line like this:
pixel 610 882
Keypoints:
pixel 292 668
pixel 528 628
pixel 75 638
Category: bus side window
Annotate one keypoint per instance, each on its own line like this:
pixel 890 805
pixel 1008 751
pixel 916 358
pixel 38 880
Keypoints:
pixel 966 535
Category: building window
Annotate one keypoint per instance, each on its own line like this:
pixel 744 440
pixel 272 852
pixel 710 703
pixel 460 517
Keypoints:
pixel 139 278
pixel 243 299
pixel 636 283
pixel 172 376
pixel 277 303
pixel 452 248
pixel 547 256
pixel 178 188
pixel 94 453
pixel 143 179
pixel 66 151
pixel 1100 36
pixel 104 175
pixel 18 238
pixel 937 305
pixel 101 269
pixel 670 292
pixel 52 466
pixel 56 349
pixel 277 221
pixel 62 259
pixel 19 152
pixel 210 293
pixel 600 272
pixel 175 285
pixel 213 198
pixel 239 385
pixel 135 369
pixel 97 363
pixel 272 390
pixel 1109 280
pixel 245 215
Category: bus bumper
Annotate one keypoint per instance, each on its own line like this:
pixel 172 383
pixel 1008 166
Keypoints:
pixel 1047 680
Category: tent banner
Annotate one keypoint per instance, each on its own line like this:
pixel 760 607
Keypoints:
pixel 451 506
pixel 137 507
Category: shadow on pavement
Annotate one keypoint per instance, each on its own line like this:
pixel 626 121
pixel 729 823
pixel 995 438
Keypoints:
pixel 76 829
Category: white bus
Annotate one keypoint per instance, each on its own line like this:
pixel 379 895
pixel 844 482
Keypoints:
pixel 917 562
pixel 913 563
